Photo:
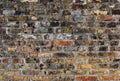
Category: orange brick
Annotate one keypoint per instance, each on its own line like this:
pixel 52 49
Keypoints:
pixel 99 72
pixel 62 43
pixel 36 78
pixel 86 66
pixel 108 77
pixel 2 78
pixel 105 18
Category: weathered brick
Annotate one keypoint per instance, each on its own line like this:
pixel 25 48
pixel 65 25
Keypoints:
pixel 2 78
pixel 105 18
pixel 17 60
pixel 32 60
pixel 115 71
pixel 62 54
pixel 24 48
pixel 99 12
pixel 3 65
pixel 12 48
pixel 45 55
pixel 24 78
pixel 31 72
pixel 34 54
pixel 15 18
pixel 10 72
pixel 44 78
pixel 116 12
pixel 64 78
pixel 108 77
pixel 81 72
pixel 99 60
pixel 86 66
pixel 62 43
pixel 36 78
pixel 5 60
pixel 97 72
pixel 86 78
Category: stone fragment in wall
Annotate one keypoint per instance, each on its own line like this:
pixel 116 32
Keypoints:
pixel 8 12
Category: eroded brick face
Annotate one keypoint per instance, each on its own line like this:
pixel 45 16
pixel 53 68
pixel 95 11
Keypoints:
pixel 59 40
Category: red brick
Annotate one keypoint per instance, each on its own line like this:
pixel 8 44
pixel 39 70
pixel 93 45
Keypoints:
pixel 111 54
pixel 62 43
pixel 86 78
pixel 5 60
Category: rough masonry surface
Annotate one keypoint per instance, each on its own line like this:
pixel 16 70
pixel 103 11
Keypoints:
pixel 59 40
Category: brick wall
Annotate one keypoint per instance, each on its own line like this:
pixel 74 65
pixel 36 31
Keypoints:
pixel 59 40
